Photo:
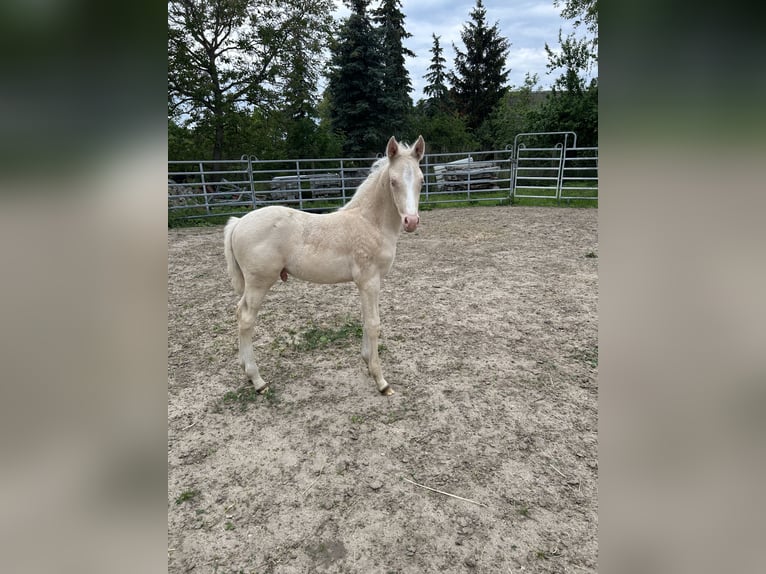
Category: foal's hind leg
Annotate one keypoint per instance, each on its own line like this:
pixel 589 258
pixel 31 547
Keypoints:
pixel 247 310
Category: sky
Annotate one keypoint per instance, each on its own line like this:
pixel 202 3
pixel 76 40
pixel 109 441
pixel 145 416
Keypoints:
pixel 527 24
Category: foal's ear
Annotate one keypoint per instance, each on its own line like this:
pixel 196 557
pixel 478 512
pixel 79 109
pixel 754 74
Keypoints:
pixel 392 148
pixel 419 149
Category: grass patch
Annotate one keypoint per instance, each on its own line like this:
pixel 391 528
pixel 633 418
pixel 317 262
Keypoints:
pixel 187 495
pixel 319 337
pixel 242 397
pixel 588 356
pixel 197 216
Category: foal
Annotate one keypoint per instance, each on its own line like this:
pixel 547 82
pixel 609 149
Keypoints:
pixel 355 243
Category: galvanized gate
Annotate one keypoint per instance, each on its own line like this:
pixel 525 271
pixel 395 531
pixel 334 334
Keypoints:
pixel 544 168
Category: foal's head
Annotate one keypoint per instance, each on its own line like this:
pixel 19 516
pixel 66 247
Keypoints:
pixel 405 179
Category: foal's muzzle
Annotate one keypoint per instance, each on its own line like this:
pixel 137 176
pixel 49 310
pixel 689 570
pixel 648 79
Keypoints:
pixel 410 222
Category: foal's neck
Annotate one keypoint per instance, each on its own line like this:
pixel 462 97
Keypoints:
pixel 375 202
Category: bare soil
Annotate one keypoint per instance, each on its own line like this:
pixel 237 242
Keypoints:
pixel 489 339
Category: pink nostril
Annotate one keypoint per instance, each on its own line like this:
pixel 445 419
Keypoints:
pixel 408 219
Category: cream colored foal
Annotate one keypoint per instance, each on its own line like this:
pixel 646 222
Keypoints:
pixel 356 243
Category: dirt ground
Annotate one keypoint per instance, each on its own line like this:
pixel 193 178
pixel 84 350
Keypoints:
pixel 490 341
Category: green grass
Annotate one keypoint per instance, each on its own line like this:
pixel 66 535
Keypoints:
pixel 187 495
pixel 196 216
pixel 317 337
pixel 241 397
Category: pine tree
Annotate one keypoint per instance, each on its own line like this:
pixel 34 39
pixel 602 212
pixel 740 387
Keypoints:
pixel 355 86
pixel 396 78
pixel 306 41
pixel 436 89
pixel 479 79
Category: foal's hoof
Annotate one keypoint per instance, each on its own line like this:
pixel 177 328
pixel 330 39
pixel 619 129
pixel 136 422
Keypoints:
pixel 260 386
pixel 387 391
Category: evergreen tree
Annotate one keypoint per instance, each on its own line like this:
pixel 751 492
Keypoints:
pixel 355 86
pixel 396 78
pixel 436 89
pixel 299 91
pixel 479 77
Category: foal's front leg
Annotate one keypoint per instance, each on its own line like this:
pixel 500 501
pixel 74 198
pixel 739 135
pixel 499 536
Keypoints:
pixel 370 294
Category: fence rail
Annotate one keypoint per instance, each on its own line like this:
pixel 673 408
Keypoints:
pixel 217 188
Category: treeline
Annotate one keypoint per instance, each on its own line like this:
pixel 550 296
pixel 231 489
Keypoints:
pixel 244 77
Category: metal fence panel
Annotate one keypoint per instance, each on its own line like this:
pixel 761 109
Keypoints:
pixel 218 188
pixel 556 170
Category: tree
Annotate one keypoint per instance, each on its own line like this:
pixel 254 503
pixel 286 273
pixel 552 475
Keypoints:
pixel 513 114
pixel 226 56
pixel 396 78
pixel 308 38
pixel 208 71
pixel 571 105
pixel 479 77
pixel 443 129
pixel 436 89
pixel 355 86
pixel 582 12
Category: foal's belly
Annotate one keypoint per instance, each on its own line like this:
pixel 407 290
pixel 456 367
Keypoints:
pixel 320 269
pixel 339 267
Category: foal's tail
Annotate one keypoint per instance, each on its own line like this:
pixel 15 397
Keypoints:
pixel 237 279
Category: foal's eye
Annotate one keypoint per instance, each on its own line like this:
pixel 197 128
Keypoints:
pixel 394 182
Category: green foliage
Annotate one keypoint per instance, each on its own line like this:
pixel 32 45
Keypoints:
pixel 241 397
pixel 356 85
pixel 242 77
pixel 512 115
pixel 575 110
pixel 479 77
pixel 226 57
pixel 187 495
pixel 316 337
pixel 436 89
pixel 442 129
pixel 581 12
pixel 396 79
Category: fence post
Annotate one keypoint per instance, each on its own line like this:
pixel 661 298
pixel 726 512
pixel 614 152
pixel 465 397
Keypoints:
pixel 559 177
pixel 300 187
pixel 342 182
pixel 204 188
pixel 469 184
pixel 511 169
pixel 250 178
